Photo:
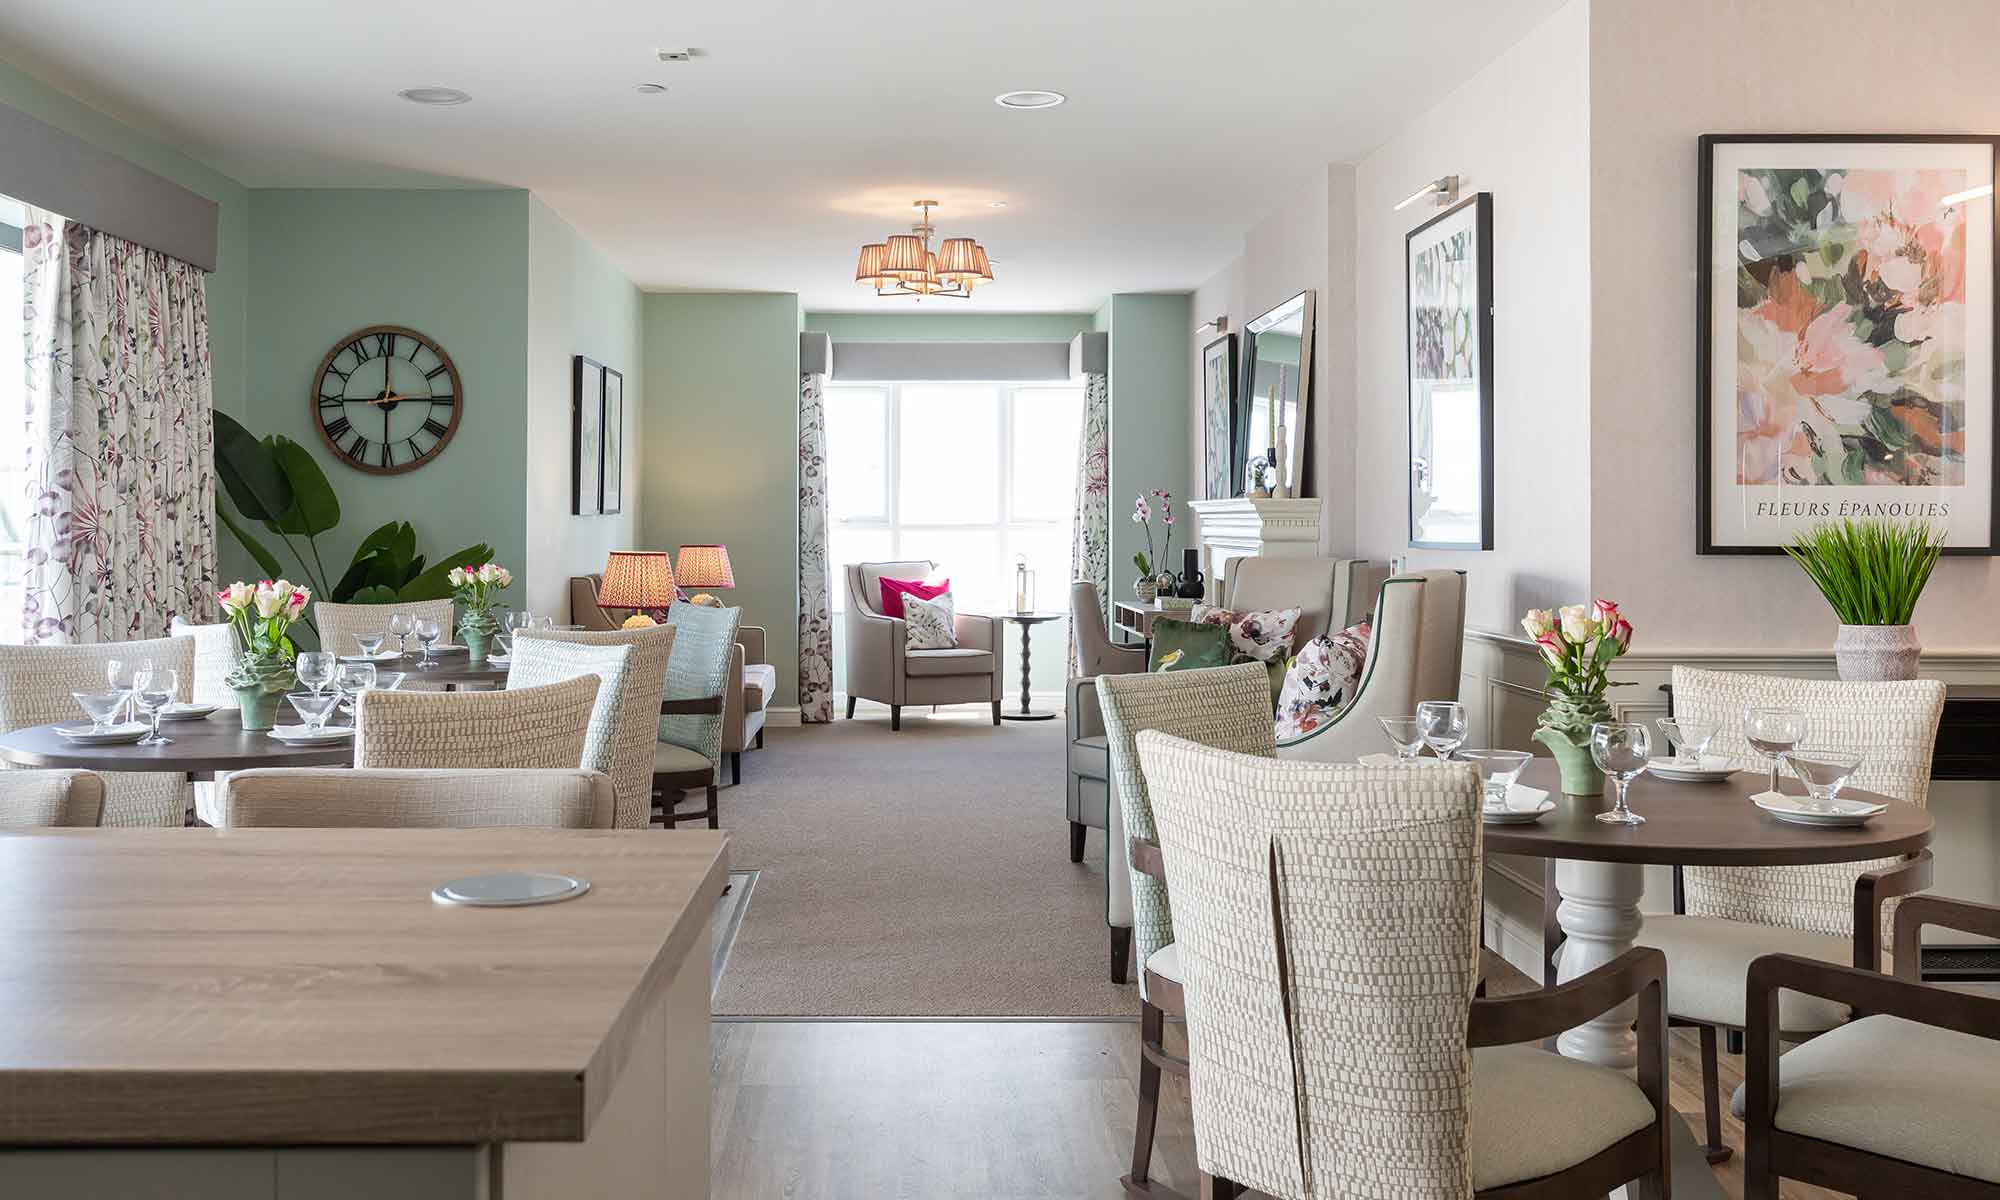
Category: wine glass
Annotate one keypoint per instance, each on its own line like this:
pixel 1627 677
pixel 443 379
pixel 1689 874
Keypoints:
pixel 1773 732
pixel 122 674
pixel 371 642
pixel 1497 771
pixel 1407 735
pixel 1824 772
pixel 543 621
pixel 354 678
pixel 515 618
pixel 314 669
pixel 400 628
pixel 314 708
pixel 1688 736
pixel 100 707
pixel 153 689
pixel 427 631
pixel 1443 723
pixel 1620 749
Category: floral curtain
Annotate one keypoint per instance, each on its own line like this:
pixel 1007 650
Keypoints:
pixel 1090 546
pixel 120 438
pixel 815 614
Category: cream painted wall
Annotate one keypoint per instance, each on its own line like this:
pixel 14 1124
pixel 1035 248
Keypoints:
pixel 1719 66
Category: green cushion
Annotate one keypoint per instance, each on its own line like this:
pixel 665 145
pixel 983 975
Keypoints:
pixel 1184 645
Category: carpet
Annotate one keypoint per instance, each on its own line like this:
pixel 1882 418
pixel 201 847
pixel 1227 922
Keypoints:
pixel 923 873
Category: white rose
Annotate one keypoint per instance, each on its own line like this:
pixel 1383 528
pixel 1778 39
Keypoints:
pixel 456 576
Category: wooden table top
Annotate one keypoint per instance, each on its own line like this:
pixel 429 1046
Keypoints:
pixel 1703 824
pixel 454 667
pixel 217 742
pixel 277 986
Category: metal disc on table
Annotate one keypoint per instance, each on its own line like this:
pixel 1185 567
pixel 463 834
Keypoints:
pixel 509 889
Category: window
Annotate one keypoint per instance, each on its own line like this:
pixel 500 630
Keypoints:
pixel 968 475
pixel 13 419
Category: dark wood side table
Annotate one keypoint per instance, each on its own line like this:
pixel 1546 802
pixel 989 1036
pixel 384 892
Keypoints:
pixel 1027 621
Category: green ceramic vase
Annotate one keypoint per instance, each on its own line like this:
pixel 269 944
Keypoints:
pixel 1580 776
pixel 260 686
pixel 476 629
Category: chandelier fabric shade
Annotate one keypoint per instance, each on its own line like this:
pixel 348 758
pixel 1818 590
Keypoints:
pixel 868 271
pixel 906 265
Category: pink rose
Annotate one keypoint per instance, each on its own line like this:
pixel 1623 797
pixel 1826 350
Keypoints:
pixel 1553 647
pixel 1604 612
pixel 1621 632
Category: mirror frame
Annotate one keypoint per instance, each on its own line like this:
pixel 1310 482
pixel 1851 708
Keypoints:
pixel 1297 485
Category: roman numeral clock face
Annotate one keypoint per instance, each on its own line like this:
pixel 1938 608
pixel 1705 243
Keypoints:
pixel 386 399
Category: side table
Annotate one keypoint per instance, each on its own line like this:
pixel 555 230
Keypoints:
pixel 1027 621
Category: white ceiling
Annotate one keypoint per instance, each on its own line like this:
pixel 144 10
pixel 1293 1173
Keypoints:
pixel 806 127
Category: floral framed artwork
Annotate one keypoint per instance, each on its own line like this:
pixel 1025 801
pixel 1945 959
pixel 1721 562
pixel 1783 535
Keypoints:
pixel 1448 263
pixel 1846 336
pixel 1218 414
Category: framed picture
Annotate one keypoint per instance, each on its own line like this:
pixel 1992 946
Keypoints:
pixel 587 438
pixel 1218 410
pixel 1448 265
pixel 1846 336
pixel 611 497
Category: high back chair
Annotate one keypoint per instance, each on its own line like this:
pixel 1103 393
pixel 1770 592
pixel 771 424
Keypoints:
pixel 214 658
pixel 343 798
pixel 625 722
pixel 1088 764
pixel 1327 923
pixel 1324 590
pixel 35 687
pixel 34 799
pixel 338 623
pixel 881 668
pixel 688 753
pixel 523 728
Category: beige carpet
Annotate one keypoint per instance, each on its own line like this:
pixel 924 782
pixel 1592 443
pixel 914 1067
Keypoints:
pixel 924 873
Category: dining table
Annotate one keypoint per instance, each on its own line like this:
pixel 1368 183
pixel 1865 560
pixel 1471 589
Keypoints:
pixel 1600 867
pixel 198 749
pixel 451 669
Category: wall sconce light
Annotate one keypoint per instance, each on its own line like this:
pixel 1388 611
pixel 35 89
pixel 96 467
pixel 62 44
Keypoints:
pixel 1444 187
pixel 1219 324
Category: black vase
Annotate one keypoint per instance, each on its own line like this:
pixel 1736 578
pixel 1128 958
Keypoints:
pixel 1192 585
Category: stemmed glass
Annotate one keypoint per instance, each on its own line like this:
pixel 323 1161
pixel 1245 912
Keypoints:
pixel 371 642
pixel 100 707
pixel 515 618
pixel 314 669
pixel 153 689
pixel 1443 723
pixel 1773 732
pixel 1688 736
pixel 427 631
pixel 122 674
pixel 1620 749
pixel 354 678
pixel 314 708
pixel 1497 771
pixel 1407 735
pixel 400 628
pixel 1824 772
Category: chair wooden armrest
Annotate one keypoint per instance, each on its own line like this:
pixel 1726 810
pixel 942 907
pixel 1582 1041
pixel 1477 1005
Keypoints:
pixel 1870 891
pixel 1965 916
pixel 694 706
pixel 1147 859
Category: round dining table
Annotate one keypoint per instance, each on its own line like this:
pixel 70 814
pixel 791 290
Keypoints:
pixel 197 749
pixel 1600 867
pixel 451 669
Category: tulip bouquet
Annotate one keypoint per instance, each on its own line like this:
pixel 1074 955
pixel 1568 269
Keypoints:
pixel 1578 644
pixel 261 617
pixel 476 587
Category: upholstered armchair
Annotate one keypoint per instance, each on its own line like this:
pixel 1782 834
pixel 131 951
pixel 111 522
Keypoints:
pixel 1414 654
pixel 880 668
pixel 1324 590
pixel 1088 769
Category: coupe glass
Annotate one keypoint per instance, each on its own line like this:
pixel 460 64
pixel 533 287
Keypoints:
pixel 355 677
pixel 153 690
pixel 1773 732
pixel 122 674
pixel 1688 736
pixel 400 628
pixel 371 642
pixel 314 707
pixel 100 707
pixel 427 631
pixel 315 669
pixel 1620 749
pixel 1824 772
pixel 1407 735
pixel 1497 770
pixel 1443 723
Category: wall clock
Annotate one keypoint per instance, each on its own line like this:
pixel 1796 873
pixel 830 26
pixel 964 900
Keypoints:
pixel 386 399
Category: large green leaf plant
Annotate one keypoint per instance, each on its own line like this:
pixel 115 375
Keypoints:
pixel 274 482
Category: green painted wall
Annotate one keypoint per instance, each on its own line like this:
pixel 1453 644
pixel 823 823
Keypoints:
pixel 1151 348
pixel 720 440
pixel 949 327
pixel 452 265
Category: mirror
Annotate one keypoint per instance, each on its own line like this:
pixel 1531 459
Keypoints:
pixel 1276 401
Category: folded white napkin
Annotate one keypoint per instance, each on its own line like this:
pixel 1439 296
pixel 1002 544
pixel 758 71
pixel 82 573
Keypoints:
pixel 1389 760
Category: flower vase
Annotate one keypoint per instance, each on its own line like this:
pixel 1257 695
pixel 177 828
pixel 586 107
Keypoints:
pixel 477 628
pixel 260 684
pixel 1580 776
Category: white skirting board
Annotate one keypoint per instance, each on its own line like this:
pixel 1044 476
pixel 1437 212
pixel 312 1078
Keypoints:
pixel 782 716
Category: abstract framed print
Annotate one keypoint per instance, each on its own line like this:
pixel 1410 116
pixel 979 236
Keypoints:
pixel 586 446
pixel 1448 264
pixel 611 497
pixel 1846 336
pixel 1218 411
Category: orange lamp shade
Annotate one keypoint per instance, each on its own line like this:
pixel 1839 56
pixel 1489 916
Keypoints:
pixel 903 257
pixel 705 567
pixel 956 260
pixel 637 579
pixel 868 270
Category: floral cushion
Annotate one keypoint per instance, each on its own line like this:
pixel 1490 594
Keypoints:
pixel 1263 635
pixel 928 623
pixel 1322 679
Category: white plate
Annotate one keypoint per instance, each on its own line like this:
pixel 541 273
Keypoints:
pixel 297 734
pixel 187 712
pixel 1712 769
pixel 499 660
pixel 1389 760
pixel 378 656
pixel 111 735
pixel 1525 806
pixel 1844 814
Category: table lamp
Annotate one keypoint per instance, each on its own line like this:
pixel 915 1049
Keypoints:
pixel 705 567
pixel 641 580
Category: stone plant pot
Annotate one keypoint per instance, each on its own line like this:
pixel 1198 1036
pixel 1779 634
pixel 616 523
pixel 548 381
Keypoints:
pixel 1871 653
pixel 1145 589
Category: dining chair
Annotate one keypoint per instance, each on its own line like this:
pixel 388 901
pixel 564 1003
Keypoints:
pixel 31 799
pixel 343 798
pixel 214 658
pixel 1327 922
pixel 537 727
pixel 35 687
pixel 1088 764
pixel 1725 917
pixel 625 724
pixel 1900 1102
pixel 688 754
pixel 1229 707
pixel 338 623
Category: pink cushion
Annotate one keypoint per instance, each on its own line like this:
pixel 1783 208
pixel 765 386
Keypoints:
pixel 893 591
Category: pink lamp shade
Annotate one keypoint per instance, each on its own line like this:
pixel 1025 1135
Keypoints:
pixel 705 567
pixel 639 579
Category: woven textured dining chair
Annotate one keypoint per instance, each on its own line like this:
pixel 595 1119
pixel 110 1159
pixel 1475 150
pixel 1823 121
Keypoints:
pixel 341 798
pixel 35 687
pixel 338 623
pixel 539 727
pixel 214 658
pixel 689 752
pixel 1728 916
pixel 32 799
pixel 624 725
pixel 1327 922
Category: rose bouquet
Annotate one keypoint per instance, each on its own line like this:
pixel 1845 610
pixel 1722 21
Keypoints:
pixel 261 617
pixel 1578 644
pixel 476 587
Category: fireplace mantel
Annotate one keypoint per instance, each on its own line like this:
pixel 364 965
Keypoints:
pixel 1243 526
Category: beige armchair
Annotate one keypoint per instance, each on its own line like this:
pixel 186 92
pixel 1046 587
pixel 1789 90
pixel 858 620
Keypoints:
pixel 745 706
pixel 879 668
pixel 1324 590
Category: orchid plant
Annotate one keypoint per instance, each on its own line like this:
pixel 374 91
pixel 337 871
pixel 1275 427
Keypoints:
pixel 1147 561
pixel 476 586
pixel 1578 642
pixel 261 616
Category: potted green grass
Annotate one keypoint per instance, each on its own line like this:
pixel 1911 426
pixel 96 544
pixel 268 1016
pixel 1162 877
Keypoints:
pixel 1872 573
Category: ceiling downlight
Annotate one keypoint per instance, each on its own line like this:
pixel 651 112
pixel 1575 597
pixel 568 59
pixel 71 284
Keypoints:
pixel 1029 98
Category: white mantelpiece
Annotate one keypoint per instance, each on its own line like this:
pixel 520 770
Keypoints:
pixel 1243 526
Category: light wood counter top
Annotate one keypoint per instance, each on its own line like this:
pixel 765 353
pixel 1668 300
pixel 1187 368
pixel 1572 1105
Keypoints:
pixel 300 986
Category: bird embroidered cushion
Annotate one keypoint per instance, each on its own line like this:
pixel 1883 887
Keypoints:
pixel 928 622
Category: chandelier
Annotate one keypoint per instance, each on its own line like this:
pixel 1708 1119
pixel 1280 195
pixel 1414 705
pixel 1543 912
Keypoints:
pixel 905 265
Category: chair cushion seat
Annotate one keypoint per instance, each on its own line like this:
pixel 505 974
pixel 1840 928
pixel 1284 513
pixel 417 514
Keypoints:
pixel 1166 962
pixel 1090 757
pixel 948 662
pixel 1535 1113
pixel 760 683
pixel 671 759
pixel 1708 961
pixel 1899 1089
